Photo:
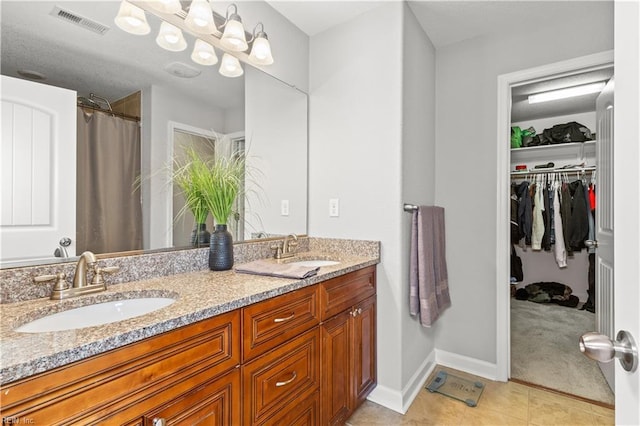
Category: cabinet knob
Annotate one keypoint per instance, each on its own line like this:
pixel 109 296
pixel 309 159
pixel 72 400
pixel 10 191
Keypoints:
pixel 159 421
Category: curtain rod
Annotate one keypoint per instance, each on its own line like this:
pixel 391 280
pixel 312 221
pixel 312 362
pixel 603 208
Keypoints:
pixel 118 114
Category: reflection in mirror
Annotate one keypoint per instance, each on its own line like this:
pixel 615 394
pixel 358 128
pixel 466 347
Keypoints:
pixel 257 113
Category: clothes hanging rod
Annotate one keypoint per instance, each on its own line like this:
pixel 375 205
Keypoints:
pixel 410 208
pixel 541 171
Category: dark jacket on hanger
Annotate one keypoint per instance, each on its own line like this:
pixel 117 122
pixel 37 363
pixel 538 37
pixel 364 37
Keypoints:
pixel 565 214
pixel 525 211
pixel 579 230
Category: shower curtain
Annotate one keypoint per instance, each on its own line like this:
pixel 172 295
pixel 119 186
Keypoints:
pixel 108 211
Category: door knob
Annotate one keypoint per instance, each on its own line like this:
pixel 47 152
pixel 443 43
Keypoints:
pixel 591 243
pixel 598 347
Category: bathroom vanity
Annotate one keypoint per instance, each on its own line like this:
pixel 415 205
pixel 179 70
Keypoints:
pixel 233 349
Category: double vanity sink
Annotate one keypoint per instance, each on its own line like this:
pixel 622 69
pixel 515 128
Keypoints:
pixel 42 334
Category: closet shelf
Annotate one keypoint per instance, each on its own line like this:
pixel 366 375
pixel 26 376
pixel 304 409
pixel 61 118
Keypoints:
pixel 560 154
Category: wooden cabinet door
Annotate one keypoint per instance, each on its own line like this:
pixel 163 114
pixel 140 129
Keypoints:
pixel 336 386
pixel 364 349
pixel 216 403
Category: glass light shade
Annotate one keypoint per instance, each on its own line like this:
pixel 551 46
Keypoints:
pixel 170 37
pixel 200 17
pixel 261 50
pixel 233 37
pixel 132 19
pixel 230 66
pixel 166 6
pixel 203 53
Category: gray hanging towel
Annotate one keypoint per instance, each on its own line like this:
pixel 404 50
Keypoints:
pixel 429 284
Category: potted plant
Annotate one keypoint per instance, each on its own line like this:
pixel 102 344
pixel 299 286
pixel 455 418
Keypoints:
pixel 190 176
pixel 220 189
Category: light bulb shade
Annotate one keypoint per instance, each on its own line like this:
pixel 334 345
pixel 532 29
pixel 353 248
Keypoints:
pixel 132 19
pixel 200 17
pixel 230 66
pixel 203 53
pixel 261 50
pixel 233 37
pixel 170 37
pixel 166 6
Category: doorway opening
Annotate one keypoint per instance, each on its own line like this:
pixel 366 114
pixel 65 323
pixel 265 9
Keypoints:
pixel 532 319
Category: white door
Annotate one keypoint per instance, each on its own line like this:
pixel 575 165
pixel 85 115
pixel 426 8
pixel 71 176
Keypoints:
pixel 38 159
pixel 627 198
pixel 604 265
pixel 625 278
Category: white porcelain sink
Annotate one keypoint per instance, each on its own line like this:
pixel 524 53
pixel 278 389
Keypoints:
pixel 314 263
pixel 98 314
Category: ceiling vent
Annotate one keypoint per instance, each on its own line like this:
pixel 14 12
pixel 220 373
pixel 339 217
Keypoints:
pixel 74 18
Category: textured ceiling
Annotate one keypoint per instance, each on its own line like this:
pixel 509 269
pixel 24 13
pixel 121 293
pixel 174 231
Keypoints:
pixel 112 65
pixel 116 64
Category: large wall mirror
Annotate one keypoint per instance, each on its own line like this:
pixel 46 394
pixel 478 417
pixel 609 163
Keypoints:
pixel 179 103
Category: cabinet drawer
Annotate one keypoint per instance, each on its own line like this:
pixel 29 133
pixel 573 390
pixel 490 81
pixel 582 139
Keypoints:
pixel 280 377
pixel 272 322
pixel 343 292
pixel 134 378
pixel 299 413
pixel 214 403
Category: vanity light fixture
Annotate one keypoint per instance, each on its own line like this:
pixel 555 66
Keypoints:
pixel 170 37
pixel 203 53
pixel 233 37
pixel 132 19
pixel 569 92
pixel 169 7
pixel 200 17
pixel 230 66
pixel 260 49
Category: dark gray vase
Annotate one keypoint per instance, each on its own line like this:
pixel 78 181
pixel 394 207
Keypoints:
pixel 221 249
pixel 200 237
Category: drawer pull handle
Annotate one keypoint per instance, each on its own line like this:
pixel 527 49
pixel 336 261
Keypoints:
pixel 286 382
pixel 277 320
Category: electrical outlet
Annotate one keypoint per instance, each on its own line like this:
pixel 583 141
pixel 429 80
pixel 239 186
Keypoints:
pixel 284 207
pixel 334 207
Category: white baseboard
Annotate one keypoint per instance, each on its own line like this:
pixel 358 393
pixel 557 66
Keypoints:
pixel 416 382
pixel 400 401
pixel 387 397
pixel 468 365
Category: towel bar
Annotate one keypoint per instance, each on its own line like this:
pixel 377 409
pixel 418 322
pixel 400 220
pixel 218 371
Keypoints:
pixel 410 208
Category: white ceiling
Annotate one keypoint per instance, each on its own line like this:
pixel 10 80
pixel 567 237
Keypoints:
pixel 116 64
pixel 445 21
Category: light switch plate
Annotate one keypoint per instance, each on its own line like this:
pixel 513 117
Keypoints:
pixel 284 207
pixel 334 207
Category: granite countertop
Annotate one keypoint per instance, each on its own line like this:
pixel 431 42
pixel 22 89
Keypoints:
pixel 199 295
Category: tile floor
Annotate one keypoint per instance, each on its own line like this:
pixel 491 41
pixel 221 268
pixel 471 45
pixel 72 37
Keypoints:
pixel 500 404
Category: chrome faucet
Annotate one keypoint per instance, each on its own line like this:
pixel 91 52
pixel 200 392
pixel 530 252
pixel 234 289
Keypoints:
pixel 61 289
pixel 288 248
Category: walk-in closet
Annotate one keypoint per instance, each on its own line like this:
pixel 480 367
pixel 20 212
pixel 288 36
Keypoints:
pixel 555 191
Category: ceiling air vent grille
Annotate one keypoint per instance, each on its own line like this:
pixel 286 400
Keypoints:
pixel 74 18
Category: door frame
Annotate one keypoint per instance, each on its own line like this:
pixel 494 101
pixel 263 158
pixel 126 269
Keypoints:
pixel 503 154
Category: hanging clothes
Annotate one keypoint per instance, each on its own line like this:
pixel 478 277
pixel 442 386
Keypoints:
pixel 525 212
pixel 579 218
pixel 537 231
pixel 559 248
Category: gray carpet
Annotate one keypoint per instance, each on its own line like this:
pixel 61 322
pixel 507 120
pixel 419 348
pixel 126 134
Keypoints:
pixel 544 350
